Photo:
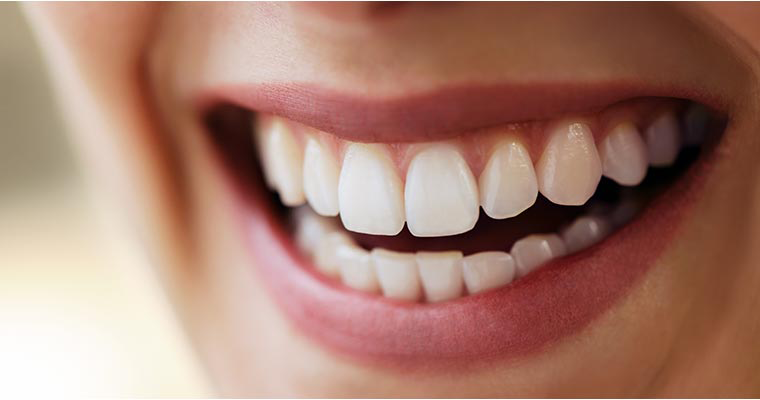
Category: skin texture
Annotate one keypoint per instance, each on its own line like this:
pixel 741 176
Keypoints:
pixel 689 328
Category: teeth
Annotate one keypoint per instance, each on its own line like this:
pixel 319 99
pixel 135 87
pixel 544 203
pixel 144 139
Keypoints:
pixel 441 194
pixel 508 183
pixel 356 269
pixel 441 274
pixel 260 138
pixel 569 169
pixel 370 194
pixel 487 270
pixel 624 155
pixel 311 229
pixel 441 197
pixel 283 163
pixel 533 251
pixel 584 232
pixel 320 178
pixel 397 273
pixel 325 255
pixel 663 140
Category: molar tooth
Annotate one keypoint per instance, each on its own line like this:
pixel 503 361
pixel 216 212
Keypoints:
pixel 310 229
pixel 508 182
pixel 569 168
pixel 441 194
pixel 284 162
pixel 320 178
pixel 624 155
pixel 663 140
pixel 397 273
pixel 326 253
pixel 370 194
pixel 532 251
pixel 487 270
pixel 356 269
pixel 584 232
pixel 441 274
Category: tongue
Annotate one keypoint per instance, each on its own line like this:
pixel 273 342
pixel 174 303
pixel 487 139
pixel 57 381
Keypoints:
pixel 489 234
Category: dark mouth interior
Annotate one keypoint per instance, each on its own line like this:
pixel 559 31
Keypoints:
pixel 230 130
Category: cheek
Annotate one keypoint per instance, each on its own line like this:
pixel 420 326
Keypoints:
pixel 739 18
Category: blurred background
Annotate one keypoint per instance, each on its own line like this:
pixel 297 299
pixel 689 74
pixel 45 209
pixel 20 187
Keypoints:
pixel 80 312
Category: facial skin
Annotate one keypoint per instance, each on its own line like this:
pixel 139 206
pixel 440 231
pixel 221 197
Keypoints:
pixel 689 328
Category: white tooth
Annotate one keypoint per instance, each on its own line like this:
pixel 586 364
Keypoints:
pixel 397 273
pixel 326 254
pixel 487 270
pixel 696 119
pixel 532 251
pixel 311 229
pixel 320 178
pixel 259 138
pixel 569 169
pixel 441 274
pixel 663 140
pixel 284 162
pixel 508 183
pixel 584 232
pixel 370 195
pixel 356 270
pixel 624 155
pixel 441 194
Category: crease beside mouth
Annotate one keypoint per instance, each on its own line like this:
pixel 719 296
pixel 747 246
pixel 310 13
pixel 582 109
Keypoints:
pixel 463 228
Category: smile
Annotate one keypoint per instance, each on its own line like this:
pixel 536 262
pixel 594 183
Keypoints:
pixel 469 239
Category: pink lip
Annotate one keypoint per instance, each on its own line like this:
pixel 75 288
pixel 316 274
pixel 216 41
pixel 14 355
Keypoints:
pixel 544 307
pixel 437 115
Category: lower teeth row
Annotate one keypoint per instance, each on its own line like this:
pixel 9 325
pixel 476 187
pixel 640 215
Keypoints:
pixel 443 275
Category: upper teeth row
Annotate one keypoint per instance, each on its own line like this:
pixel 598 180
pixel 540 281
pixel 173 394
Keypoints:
pixel 440 195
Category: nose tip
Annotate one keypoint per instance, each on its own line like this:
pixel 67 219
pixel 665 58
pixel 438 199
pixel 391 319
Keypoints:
pixel 347 11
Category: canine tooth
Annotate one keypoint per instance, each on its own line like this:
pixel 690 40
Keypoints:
pixel 695 121
pixel 310 229
pixel 441 274
pixel 532 251
pixel 355 266
pixel 397 273
pixel 487 270
pixel 584 232
pixel 441 194
pixel 320 178
pixel 624 155
pixel 370 193
pixel 663 140
pixel 569 168
pixel 284 160
pixel 508 182
pixel 326 253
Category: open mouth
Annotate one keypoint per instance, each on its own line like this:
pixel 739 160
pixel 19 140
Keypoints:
pixel 482 242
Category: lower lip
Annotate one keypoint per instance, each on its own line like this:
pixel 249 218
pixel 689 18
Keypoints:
pixel 520 319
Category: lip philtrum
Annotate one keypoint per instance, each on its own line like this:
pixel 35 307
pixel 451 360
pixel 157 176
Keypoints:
pixel 441 195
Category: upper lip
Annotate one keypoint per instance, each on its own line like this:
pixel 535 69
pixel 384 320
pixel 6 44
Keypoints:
pixel 438 114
